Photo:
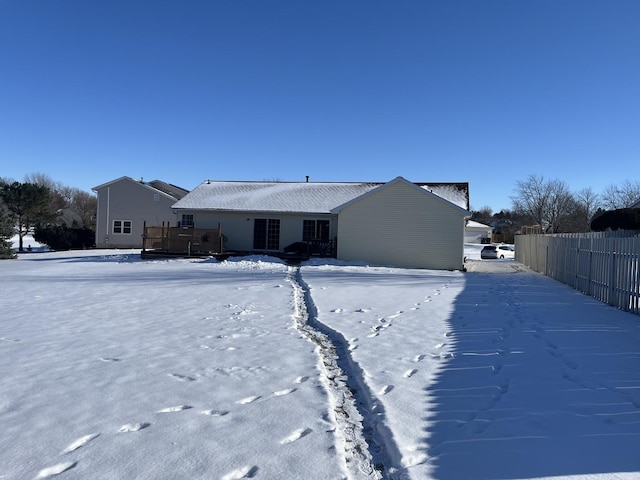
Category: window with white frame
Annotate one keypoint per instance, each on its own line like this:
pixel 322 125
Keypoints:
pixel 122 227
pixel 315 230
pixel 187 220
pixel 266 234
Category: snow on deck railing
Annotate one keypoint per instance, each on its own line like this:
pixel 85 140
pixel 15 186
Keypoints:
pixel 604 265
pixel 182 241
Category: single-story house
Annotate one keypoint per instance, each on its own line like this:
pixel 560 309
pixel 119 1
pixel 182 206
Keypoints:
pixel 125 205
pixel 398 223
pixel 476 232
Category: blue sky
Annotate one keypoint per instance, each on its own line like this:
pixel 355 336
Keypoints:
pixel 485 92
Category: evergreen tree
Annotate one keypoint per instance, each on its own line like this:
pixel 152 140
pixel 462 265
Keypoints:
pixel 28 205
pixel 6 232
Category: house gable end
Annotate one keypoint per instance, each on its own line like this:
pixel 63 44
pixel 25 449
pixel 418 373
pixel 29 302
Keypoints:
pixel 124 207
pixel 402 224
pixel 412 185
pixel 147 186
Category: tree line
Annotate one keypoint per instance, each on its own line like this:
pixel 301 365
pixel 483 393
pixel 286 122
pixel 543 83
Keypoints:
pixel 57 215
pixel 550 206
pixel 64 217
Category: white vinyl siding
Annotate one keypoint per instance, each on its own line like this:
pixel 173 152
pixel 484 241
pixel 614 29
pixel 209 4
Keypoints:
pixel 238 227
pixel 402 226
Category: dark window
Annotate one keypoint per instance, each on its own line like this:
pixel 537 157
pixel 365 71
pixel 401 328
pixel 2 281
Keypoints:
pixel 315 230
pixel 187 221
pixel 122 227
pixel 266 234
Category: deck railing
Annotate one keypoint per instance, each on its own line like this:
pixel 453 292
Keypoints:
pixel 182 241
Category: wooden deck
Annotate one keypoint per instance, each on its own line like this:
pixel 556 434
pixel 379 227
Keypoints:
pixel 176 242
pixel 180 242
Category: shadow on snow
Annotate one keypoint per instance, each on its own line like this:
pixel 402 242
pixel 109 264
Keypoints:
pixel 540 381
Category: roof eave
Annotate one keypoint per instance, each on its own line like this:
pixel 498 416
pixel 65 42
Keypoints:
pixel 265 212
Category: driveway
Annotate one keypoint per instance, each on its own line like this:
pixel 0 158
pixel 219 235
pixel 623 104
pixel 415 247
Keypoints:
pixel 495 266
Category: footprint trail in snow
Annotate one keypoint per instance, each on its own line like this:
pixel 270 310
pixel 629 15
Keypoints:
pixel 359 415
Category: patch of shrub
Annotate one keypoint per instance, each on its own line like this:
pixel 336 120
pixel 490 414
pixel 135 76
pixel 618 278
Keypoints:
pixel 620 219
pixel 6 250
pixel 60 237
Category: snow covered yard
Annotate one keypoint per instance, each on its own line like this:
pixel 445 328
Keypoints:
pixel 113 367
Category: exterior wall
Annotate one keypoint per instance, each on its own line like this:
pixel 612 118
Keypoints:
pixel 129 200
pixel 237 227
pixel 401 226
pixel 476 234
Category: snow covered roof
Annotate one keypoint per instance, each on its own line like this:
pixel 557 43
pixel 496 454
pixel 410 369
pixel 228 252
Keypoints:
pixel 293 197
pixel 474 224
pixel 456 193
pixel 168 188
pixel 165 188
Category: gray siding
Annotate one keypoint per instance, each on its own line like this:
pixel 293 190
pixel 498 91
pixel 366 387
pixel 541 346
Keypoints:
pixel 129 200
pixel 399 225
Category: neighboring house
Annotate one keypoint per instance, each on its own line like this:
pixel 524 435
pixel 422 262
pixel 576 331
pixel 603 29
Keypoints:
pixel 125 205
pixel 69 218
pixel 476 232
pixel 636 205
pixel 395 223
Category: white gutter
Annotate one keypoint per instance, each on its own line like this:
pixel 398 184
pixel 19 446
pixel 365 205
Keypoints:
pixel 106 235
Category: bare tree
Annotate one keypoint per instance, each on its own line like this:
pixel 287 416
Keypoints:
pixel 549 203
pixel 85 205
pixel 68 202
pixel 560 206
pixel 588 202
pixel 58 201
pixel 620 196
pixel 483 215
pixel 531 198
pixel 576 220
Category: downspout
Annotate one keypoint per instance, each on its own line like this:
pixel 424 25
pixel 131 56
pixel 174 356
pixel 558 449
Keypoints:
pixel 106 234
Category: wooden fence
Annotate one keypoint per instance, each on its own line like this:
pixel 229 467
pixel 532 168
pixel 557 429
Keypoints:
pixel 603 265
pixel 182 241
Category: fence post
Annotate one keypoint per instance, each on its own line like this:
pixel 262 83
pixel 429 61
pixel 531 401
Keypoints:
pixel 589 283
pixel 164 242
pixel 144 235
pixel 612 274
pixel 546 260
pixel 576 281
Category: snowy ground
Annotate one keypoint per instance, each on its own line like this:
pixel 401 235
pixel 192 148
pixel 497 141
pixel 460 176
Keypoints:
pixel 112 367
